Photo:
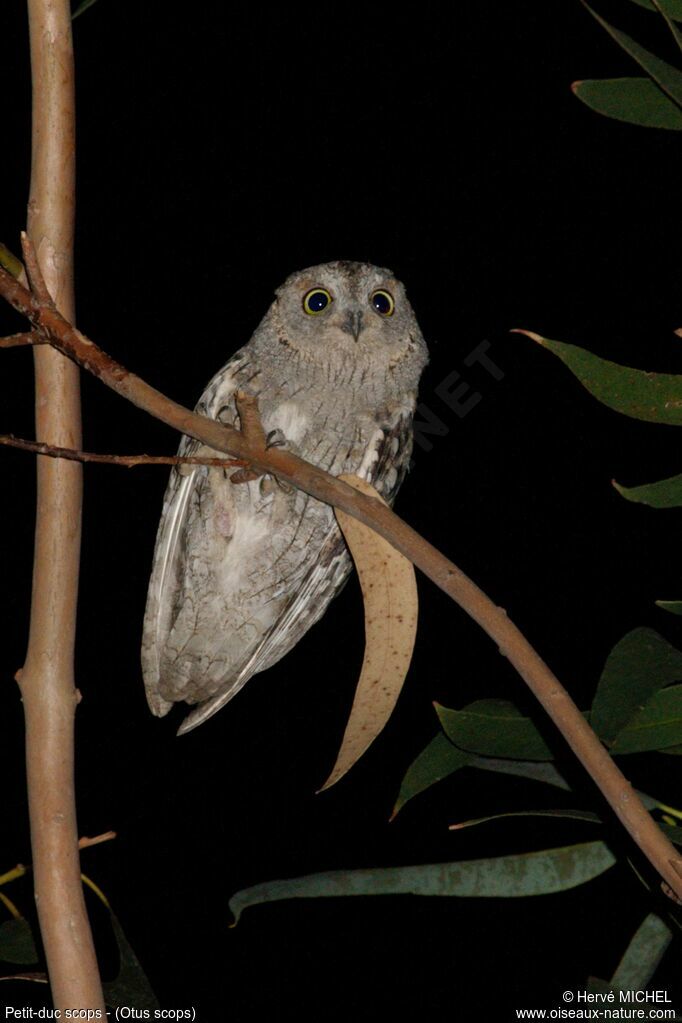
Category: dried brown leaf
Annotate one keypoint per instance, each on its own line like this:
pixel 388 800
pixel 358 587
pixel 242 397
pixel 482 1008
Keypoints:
pixel 389 592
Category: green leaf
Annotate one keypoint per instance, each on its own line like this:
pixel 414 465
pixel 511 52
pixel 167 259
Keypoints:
pixel 576 815
pixel 533 770
pixel 537 873
pixel 635 100
pixel 674 606
pixel 640 960
pixel 673 831
pixel 667 9
pixel 435 762
pixel 82 7
pixel 441 758
pixel 494 728
pixel 656 726
pixel 653 397
pixel 643 955
pixel 673 8
pixel 640 664
pixel 9 262
pixel 131 986
pixel 16 942
pixel 664 74
pixel 662 494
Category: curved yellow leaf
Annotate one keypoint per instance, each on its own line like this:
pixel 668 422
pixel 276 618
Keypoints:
pixel 389 591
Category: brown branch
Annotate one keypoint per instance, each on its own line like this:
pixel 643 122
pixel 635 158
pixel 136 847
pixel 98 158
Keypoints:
pixel 36 280
pixel 46 680
pixel 85 842
pixel 16 340
pixel 319 484
pixel 128 461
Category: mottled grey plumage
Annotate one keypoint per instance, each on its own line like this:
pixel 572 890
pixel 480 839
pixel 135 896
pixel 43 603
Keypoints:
pixel 241 571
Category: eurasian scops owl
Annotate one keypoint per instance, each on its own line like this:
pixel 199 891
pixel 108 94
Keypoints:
pixel 241 571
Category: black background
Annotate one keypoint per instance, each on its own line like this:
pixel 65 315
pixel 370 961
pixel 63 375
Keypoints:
pixel 220 148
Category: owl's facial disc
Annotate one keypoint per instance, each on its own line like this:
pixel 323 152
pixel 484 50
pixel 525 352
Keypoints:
pixel 351 314
pixel 344 313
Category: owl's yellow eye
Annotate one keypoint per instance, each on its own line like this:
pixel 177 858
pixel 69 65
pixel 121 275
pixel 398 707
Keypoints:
pixel 383 302
pixel 316 301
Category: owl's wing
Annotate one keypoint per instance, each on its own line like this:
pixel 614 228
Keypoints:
pixel 162 594
pixel 308 604
pixel 157 609
pixel 384 464
pixel 388 455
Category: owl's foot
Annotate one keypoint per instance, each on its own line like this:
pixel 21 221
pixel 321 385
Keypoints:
pixel 274 439
pixel 245 475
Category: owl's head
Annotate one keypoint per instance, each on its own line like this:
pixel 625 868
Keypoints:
pixel 349 313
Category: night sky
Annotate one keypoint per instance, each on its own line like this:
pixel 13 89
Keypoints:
pixel 221 147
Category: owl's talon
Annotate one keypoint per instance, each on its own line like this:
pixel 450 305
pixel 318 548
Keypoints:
pixel 245 476
pixel 275 439
pixel 226 415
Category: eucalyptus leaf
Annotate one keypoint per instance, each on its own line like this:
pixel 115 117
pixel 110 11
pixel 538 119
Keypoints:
pixel 640 664
pixel 543 772
pixel 435 762
pixel 674 606
pixel 643 955
pixel 82 7
pixel 656 726
pixel 673 831
pixel 576 815
pixel 532 769
pixel 597 986
pixel 673 8
pixel 640 960
pixel 652 397
pixel 16 942
pixel 664 74
pixel 536 873
pixel 635 100
pixel 437 754
pixel 131 986
pixel 440 758
pixel 669 11
pixel 662 494
pixel 389 595
pixel 494 728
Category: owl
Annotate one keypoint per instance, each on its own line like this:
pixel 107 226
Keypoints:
pixel 242 570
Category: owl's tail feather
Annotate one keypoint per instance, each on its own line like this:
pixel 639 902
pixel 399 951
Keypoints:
pixel 207 709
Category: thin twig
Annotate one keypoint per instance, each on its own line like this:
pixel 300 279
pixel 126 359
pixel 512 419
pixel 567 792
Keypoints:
pixel 16 340
pixel 319 484
pixel 106 836
pixel 128 461
pixel 36 978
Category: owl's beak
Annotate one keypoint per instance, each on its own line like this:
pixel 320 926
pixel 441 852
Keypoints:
pixel 352 323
